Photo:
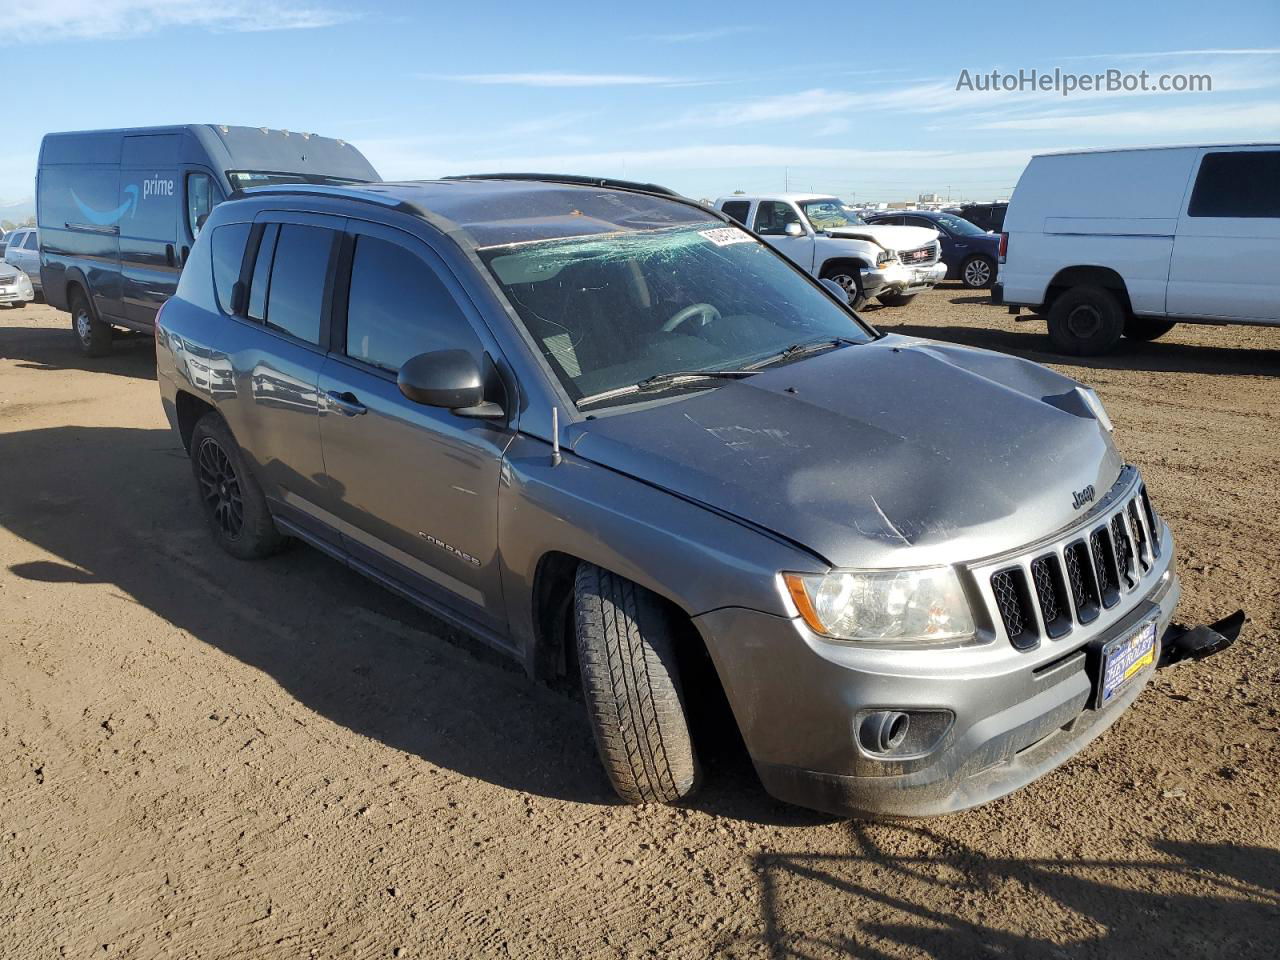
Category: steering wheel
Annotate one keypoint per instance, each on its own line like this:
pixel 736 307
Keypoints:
pixel 709 315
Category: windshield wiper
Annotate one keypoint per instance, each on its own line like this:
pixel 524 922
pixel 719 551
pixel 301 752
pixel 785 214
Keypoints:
pixel 797 350
pixel 660 381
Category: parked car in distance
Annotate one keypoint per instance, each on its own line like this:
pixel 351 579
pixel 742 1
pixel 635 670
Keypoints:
pixel 984 216
pixel 831 241
pixel 1130 242
pixel 23 252
pixel 15 286
pixel 4 240
pixel 119 209
pixel 608 430
pixel 971 255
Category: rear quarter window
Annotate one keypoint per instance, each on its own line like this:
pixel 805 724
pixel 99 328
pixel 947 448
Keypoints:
pixel 1237 184
pixel 227 252
pixel 737 209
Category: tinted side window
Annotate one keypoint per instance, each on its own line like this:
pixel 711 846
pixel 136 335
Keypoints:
pixel 737 209
pixel 772 217
pixel 227 248
pixel 398 308
pixel 262 272
pixel 32 241
pixel 1238 184
pixel 299 271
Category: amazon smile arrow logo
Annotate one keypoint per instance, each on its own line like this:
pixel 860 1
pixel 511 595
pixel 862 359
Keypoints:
pixel 105 218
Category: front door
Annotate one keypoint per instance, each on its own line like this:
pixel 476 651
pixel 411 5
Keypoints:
pixel 772 219
pixel 1228 239
pixel 413 488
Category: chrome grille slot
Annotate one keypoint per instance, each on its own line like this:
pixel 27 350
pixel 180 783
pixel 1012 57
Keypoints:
pixel 1084 583
pixel 1104 563
pixel 1046 574
pixel 1124 551
pixel 1141 547
pixel 1014 602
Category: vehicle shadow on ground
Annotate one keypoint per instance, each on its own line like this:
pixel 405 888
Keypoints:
pixel 52 347
pixel 116 506
pixel 1032 343
pixel 1094 908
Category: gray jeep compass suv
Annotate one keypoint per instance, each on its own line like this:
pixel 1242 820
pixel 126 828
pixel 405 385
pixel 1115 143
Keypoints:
pixel 609 431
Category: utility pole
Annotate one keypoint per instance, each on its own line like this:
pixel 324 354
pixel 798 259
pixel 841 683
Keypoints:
pixel 786 179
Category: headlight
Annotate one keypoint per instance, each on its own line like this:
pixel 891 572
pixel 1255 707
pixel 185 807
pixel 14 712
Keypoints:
pixel 885 257
pixel 890 605
pixel 1094 403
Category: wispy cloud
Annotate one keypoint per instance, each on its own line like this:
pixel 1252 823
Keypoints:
pixel 1206 52
pixel 702 36
pixel 571 79
pixel 1173 120
pixel 46 20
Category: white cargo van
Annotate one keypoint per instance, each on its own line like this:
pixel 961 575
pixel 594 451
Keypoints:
pixel 1128 243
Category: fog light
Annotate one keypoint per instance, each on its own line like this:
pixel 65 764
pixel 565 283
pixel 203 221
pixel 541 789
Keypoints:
pixel 899 734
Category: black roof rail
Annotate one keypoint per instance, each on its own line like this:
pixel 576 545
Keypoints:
pixel 575 180
pixel 349 191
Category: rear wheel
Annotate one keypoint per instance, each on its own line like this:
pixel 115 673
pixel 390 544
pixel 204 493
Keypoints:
pixel 850 280
pixel 1086 321
pixel 627 655
pixel 977 272
pixel 92 335
pixel 233 504
pixel 1147 328
pixel 896 299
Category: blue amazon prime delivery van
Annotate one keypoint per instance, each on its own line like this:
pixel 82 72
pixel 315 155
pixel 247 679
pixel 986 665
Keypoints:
pixel 118 210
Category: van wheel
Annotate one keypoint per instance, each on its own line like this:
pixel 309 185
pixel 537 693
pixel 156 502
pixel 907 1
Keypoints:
pixel 1086 321
pixel 1147 328
pixel 851 281
pixel 233 504
pixel 977 272
pixel 896 299
pixel 627 655
pixel 93 336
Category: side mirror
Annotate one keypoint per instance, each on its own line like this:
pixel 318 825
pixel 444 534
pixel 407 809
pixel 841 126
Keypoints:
pixel 835 289
pixel 450 379
pixel 793 229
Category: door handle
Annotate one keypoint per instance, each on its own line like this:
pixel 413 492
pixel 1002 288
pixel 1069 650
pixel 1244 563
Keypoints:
pixel 345 403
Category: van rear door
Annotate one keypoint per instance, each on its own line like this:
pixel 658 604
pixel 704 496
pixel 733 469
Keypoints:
pixel 149 241
pixel 1228 238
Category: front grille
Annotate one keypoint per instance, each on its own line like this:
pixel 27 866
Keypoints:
pixel 1047 594
pixel 921 256
pixel 1010 589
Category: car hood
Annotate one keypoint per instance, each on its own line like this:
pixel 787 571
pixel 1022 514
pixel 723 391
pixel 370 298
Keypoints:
pixel 899 452
pixel 8 271
pixel 888 236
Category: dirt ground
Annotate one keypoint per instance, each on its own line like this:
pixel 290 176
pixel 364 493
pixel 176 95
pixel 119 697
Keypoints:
pixel 206 758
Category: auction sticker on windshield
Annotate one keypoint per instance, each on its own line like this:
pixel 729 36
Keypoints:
pixel 1125 656
pixel 724 236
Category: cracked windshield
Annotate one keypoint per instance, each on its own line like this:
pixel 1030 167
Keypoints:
pixel 612 312
pixel 830 214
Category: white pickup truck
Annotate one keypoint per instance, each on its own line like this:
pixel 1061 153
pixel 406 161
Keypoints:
pixel 822 235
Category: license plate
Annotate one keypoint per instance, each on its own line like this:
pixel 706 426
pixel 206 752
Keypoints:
pixel 1125 657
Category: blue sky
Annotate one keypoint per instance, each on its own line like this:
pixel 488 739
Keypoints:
pixel 854 99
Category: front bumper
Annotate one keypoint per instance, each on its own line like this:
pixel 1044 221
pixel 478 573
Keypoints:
pixel 1014 715
pixel 18 290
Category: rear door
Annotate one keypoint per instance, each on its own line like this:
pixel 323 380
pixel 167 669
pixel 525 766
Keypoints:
pixel 149 264
pixel 414 488
pixel 277 355
pixel 1227 243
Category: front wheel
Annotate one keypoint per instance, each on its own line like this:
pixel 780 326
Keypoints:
pixel 851 282
pixel 896 299
pixel 977 273
pixel 233 504
pixel 92 335
pixel 626 640
pixel 1147 328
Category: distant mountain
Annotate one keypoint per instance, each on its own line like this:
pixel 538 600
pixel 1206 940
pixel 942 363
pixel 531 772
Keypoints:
pixel 18 211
